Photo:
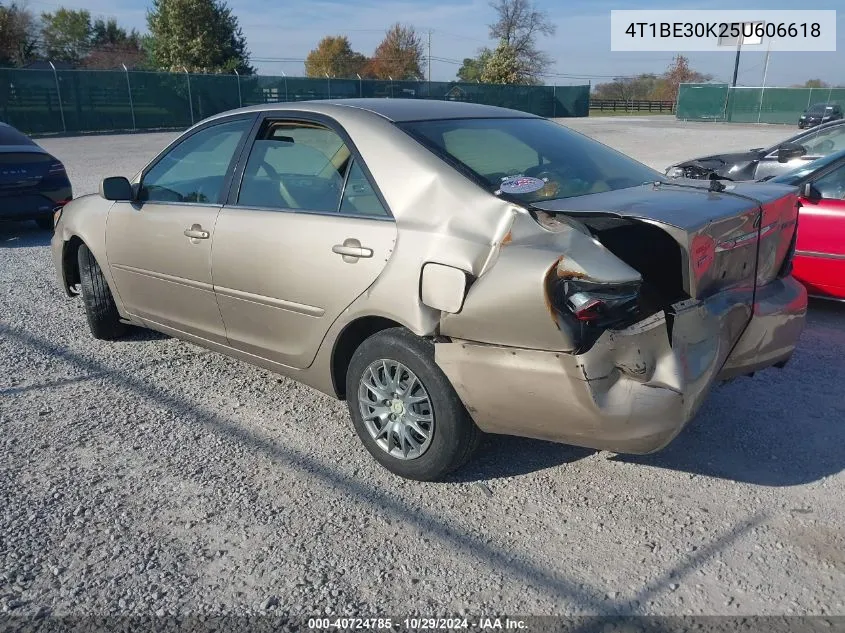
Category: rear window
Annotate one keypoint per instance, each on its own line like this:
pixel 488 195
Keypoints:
pixel 10 136
pixel 539 158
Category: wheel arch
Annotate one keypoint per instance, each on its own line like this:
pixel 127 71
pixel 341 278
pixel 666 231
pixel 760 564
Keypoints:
pixel 67 257
pixel 70 263
pixel 350 338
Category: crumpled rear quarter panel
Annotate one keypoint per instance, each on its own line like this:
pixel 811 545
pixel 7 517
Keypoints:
pixel 632 392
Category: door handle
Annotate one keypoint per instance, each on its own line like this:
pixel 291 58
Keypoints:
pixel 351 250
pixel 196 232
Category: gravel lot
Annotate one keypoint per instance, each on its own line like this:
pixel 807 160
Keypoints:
pixel 153 477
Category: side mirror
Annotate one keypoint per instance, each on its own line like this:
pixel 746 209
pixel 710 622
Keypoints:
pixel 116 188
pixel 788 151
pixel 809 192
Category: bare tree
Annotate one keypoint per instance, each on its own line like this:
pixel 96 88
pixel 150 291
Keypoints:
pixel 17 35
pixel 519 24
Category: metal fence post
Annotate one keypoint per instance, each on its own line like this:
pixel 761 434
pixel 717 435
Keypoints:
pixel 240 98
pixel 360 86
pixel 554 101
pixel 286 85
pixel 129 92
pixel 329 80
pixel 59 94
pixel 190 98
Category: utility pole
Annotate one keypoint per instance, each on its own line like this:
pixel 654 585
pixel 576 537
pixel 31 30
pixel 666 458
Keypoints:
pixel 429 62
pixel 736 61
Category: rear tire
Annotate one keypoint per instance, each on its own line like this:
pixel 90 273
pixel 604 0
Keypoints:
pixel 450 438
pixel 103 317
pixel 45 222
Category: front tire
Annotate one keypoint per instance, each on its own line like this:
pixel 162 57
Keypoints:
pixel 103 317
pixel 404 408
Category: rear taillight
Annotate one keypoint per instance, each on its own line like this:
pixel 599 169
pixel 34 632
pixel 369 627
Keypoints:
pixel 56 168
pixel 57 211
pixel 599 305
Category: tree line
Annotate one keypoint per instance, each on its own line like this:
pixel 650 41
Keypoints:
pixel 650 86
pixel 193 35
pixel 204 36
pixel 402 53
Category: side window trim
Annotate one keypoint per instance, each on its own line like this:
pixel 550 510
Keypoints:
pixel 349 166
pixel 306 117
pixel 233 164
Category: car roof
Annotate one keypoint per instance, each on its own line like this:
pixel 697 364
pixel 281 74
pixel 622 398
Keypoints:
pixel 399 110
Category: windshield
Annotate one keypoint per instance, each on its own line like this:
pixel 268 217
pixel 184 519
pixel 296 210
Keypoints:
pixel 820 141
pixel 795 176
pixel 530 159
pixel 819 109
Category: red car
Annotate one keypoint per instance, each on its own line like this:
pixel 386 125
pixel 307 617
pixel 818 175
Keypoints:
pixel 819 261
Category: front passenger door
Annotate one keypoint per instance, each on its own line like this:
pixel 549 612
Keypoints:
pixel 159 246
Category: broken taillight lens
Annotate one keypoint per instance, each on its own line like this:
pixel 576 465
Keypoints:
pixel 57 211
pixel 599 305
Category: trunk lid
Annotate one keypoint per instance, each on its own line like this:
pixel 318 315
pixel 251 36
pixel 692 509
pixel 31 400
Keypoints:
pixel 739 237
pixel 23 169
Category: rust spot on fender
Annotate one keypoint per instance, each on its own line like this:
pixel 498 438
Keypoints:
pixel 549 288
pixel 557 272
pixel 563 272
pixel 507 239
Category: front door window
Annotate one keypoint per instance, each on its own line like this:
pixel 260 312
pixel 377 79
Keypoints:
pixel 195 170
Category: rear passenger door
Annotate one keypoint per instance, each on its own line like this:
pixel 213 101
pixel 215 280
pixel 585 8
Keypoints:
pixel 304 233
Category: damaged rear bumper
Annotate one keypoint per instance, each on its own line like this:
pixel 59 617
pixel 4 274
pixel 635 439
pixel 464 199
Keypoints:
pixel 635 389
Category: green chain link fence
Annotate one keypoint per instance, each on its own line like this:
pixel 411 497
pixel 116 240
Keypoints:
pixel 720 102
pixel 73 101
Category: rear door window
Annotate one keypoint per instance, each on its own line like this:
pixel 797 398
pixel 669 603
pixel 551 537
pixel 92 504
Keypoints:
pixel 359 196
pixel 295 165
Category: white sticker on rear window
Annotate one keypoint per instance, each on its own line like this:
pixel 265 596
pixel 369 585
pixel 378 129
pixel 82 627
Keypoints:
pixel 521 184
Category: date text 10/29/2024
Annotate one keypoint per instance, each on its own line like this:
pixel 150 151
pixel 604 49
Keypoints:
pixel 418 624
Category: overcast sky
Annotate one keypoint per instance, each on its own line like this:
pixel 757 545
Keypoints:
pixel 281 32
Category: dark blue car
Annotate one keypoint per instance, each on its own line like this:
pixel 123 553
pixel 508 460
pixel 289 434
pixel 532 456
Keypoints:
pixel 33 183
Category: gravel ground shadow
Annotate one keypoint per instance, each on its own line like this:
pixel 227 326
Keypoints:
pixel 23 235
pixel 503 456
pixel 191 413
